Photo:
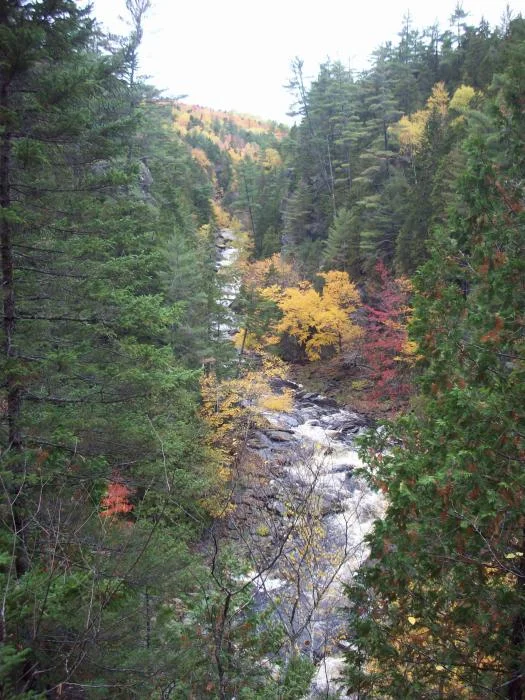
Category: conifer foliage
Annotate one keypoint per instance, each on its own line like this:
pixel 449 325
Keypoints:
pixel 439 612
pixel 101 469
pixel 124 419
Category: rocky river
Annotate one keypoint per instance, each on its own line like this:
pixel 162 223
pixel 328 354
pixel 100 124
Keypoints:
pixel 301 518
pixel 303 522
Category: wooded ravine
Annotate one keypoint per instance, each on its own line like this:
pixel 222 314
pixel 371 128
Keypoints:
pixel 261 399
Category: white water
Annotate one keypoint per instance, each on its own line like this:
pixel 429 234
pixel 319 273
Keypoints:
pixel 324 513
pixel 320 462
pixel 226 257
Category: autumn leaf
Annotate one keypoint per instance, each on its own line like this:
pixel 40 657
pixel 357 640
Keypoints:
pixel 116 500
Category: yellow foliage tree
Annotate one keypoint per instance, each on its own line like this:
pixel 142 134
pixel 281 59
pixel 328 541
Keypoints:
pixel 221 216
pixel 339 290
pixel 271 271
pixel 438 100
pixel 409 132
pixel 462 98
pixel 231 408
pixel 317 320
pixel 271 159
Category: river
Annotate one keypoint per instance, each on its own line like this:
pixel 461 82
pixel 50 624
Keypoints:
pixel 302 519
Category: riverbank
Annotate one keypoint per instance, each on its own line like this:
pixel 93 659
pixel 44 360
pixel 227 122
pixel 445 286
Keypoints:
pixel 346 379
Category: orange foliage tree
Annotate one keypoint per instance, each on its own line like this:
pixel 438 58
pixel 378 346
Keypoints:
pixel 116 501
pixel 389 352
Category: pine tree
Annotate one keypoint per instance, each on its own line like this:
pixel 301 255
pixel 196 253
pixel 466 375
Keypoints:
pixel 343 245
pixel 430 147
pixel 439 609
pixel 99 421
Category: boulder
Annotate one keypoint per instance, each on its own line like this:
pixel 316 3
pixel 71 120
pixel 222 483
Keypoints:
pixel 331 505
pixel 257 442
pixel 277 507
pixel 280 383
pixel 227 234
pixel 279 435
pixel 325 401
pixel 145 178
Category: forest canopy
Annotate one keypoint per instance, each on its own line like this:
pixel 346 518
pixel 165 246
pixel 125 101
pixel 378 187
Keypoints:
pixel 375 247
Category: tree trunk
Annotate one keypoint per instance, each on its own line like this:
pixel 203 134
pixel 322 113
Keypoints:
pixel 515 687
pixel 8 283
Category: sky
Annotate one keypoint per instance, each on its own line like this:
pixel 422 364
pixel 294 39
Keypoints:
pixel 236 55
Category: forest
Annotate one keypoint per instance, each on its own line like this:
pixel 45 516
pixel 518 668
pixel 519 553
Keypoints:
pixel 189 294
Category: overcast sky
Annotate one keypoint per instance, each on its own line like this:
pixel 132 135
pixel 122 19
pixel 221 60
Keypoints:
pixel 236 55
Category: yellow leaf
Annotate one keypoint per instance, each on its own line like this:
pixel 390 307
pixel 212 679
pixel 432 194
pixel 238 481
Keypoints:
pixel 278 402
pixel 412 619
pixel 462 98
pixel 317 321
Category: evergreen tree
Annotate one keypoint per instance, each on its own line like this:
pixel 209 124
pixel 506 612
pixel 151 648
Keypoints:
pixel 439 609
pixel 261 183
pixel 432 147
pixel 102 466
pixel 343 249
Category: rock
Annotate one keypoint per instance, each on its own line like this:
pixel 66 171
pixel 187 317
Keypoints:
pixel 282 421
pixel 280 435
pixel 328 677
pixel 277 507
pixel 333 434
pixel 339 468
pixel 346 421
pixel 257 442
pixel 145 178
pixel 351 428
pixel 270 490
pixel 227 234
pixel 260 495
pixel 308 412
pixel 325 401
pixel 345 645
pixel 279 383
pixel 331 505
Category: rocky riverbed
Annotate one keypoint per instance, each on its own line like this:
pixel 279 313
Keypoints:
pixel 301 512
pixel 302 518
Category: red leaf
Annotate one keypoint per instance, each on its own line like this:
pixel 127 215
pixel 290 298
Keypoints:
pixel 116 500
